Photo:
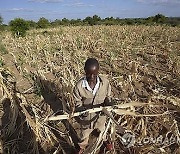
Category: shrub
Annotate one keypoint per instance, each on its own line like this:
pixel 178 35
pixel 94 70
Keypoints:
pixel 18 27
pixel 1 62
pixel 3 50
pixel 43 23
pixel 1 20
pixel 31 24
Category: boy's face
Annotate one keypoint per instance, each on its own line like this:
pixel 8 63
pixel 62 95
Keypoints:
pixel 91 73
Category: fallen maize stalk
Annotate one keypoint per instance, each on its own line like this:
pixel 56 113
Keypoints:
pixel 116 108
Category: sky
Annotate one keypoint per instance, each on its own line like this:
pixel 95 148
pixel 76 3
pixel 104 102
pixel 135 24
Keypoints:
pixel 73 9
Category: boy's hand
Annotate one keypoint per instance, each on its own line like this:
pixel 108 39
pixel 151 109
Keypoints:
pixel 84 114
pixel 72 110
pixel 107 102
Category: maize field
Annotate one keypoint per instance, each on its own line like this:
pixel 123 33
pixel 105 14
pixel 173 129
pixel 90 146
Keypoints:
pixel 38 73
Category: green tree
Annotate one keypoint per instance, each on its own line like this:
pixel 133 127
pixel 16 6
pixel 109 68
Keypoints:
pixel 31 24
pixel 96 19
pixel 73 22
pixel 43 23
pixel 173 21
pixel 1 27
pixel 89 21
pixel 159 18
pixel 129 21
pixel 65 21
pixel 57 22
pixel 1 20
pixel 18 26
pixel 76 22
pixel 79 22
pixel 110 21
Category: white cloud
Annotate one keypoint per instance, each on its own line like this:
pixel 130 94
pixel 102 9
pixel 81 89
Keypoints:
pixel 46 1
pixel 18 10
pixel 163 2
pixel 79 4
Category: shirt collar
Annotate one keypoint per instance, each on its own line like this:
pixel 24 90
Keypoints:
pixel 86 85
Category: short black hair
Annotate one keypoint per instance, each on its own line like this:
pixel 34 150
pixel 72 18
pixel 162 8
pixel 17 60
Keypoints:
pixel 90 62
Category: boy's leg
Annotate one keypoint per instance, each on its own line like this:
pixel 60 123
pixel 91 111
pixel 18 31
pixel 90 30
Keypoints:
pixel 100 123
pixel 84 136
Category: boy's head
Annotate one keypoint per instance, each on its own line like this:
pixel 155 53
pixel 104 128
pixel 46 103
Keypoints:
pixel 91 68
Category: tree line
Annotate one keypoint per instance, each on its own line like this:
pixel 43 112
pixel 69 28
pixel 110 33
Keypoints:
pixel 18 25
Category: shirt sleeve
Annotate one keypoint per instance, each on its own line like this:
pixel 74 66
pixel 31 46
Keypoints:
pixel 77 97
pixel 109 92
pixel 107 100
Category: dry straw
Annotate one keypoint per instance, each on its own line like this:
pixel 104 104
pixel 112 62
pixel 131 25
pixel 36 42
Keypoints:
pixel 41 69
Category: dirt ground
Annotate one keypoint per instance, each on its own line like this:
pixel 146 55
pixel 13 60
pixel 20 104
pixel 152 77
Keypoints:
pixel 40 71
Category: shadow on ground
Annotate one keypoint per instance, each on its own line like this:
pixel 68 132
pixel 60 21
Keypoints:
pixel 15 133
pixel 57 104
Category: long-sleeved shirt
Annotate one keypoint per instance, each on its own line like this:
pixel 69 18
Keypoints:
pixel 85 98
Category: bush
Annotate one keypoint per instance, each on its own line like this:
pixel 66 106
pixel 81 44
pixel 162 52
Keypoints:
pixel 159 18
pixel 3 50
pixel 1 20
pixel 19 27
pixel 1 28
pixel 43 23
pixel 31 24
pixel 1 62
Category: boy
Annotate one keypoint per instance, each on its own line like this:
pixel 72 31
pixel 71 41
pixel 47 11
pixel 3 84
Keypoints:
pixel 91 91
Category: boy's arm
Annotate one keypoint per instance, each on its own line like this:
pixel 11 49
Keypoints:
pixel 107 100
pixel 77 97
pixel 109 92
pixel 78 103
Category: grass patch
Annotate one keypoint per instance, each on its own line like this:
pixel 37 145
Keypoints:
pixel 1 63
pixel 3 50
